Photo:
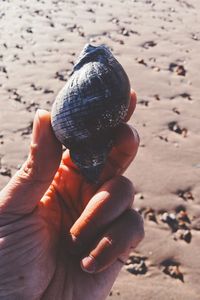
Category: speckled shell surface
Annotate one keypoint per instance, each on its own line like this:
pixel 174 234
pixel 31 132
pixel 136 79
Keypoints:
pixel 90 106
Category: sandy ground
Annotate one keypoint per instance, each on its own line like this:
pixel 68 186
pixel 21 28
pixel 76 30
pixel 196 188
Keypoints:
pixel 158 43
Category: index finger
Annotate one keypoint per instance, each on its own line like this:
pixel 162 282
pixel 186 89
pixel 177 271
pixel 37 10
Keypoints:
pixel 99 213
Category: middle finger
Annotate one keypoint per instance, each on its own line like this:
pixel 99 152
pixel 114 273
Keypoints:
pixel 110 201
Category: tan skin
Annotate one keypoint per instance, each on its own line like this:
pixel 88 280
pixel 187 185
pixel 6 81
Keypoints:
pixel 52 220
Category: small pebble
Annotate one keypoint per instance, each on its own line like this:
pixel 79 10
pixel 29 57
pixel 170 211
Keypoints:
pixel 4 171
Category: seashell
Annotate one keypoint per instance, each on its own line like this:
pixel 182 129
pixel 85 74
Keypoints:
pixel 89 108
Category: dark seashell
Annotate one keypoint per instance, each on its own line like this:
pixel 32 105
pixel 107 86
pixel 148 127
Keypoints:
pixel 90 106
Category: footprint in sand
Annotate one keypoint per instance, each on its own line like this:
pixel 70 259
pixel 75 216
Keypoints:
pixel 3 69
pixel 62 75
pixel 5 171
pixel 184 95
pixel 195 36
pixel 150 214
pixel 90 10
pixel 144 102
pixel 176 111
pixel 123 31
pixel 178 69
pixel 136 264
pixel 26 130
pixel 172 269
pixel 14 95
pixel 32 107
pixel 185 194
pixel 141 61
pixel 148 44
pixel 163 138
pixel 179 223
pixel 175 127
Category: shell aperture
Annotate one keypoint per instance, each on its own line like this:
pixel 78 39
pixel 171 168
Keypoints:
pixel 89 108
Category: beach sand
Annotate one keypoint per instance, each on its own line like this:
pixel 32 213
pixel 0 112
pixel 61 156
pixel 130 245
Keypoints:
pixel 158 43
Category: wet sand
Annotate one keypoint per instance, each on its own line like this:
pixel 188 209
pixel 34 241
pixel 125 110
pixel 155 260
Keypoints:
pixel 158 45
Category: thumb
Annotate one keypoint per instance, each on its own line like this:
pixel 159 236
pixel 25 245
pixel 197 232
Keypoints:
pixel 25 189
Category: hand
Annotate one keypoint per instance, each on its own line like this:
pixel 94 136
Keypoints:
pixel 61 237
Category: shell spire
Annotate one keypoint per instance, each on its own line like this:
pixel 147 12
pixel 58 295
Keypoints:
pixel 90 107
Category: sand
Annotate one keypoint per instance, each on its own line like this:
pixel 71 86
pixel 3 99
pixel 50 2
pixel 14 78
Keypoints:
pixel 158 43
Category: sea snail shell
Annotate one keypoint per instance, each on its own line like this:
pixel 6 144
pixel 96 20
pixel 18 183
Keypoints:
pixel 90 106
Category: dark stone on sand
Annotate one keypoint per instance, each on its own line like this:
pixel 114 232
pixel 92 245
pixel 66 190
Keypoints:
pixel 5 171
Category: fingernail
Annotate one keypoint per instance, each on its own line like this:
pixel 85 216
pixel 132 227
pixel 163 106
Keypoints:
pixel 37 130
pixel 89 264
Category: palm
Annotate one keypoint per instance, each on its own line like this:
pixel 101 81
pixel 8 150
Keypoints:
pixel 58 210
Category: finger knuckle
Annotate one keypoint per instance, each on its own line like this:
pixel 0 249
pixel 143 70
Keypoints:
pixel 136 224
pixel 31 170
pixel 134 140
pixel 125 183
pixel 126 187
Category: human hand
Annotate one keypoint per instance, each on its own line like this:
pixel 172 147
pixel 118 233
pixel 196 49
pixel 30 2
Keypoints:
pixel 53 224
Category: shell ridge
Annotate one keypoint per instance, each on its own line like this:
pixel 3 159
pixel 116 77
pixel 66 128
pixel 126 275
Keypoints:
pixel 90 107
pixel 90 52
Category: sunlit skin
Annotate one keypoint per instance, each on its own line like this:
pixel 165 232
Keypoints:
pixel 51 219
